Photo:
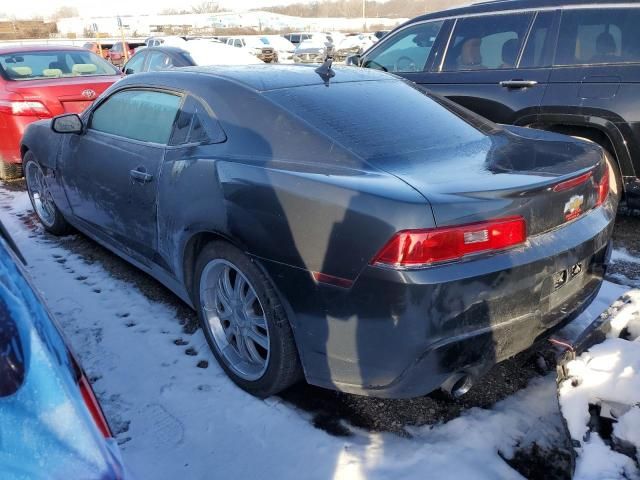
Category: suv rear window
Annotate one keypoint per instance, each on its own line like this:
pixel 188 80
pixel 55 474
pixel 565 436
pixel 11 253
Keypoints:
pixel 602 36
pixel 53 64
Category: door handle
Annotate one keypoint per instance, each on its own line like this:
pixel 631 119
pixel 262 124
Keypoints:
pixel 518 83
pixel 140 175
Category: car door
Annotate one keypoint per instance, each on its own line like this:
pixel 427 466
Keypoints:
pixel 110 172
pixel 497 65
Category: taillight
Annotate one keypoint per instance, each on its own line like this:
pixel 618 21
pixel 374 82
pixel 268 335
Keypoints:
pixel 414 248
pixel 94 407
pixel 571 183
pixel 603 187
pixel 31 108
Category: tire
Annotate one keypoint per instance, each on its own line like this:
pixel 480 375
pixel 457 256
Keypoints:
pixel 10 171
pixel 41 199
pixel 259 371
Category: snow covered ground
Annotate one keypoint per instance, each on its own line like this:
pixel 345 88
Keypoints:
pixel 608 376
pixel 178 416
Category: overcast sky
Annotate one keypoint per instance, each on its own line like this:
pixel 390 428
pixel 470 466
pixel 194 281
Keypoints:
pixel 29 8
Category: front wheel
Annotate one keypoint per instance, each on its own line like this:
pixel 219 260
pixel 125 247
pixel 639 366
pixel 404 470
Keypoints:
pixel 244 321
pixel 41 198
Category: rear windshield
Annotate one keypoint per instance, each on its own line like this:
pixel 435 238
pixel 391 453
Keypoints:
pixel 377 118
pixel 53 64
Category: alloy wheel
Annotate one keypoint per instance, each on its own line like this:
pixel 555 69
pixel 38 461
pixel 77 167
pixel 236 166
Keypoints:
pixel 41 197
pixel 235 319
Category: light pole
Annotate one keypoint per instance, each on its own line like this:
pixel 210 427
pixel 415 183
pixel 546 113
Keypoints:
pixel 364 14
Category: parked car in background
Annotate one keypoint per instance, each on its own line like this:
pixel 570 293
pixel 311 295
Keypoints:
pixel 196 52
pixel 311 51
pixel 349 228
pixel 120 52
pixel 571 67
pixel 297 38
pixel 41 81
pixel 353 44
pixel 102 50
pixel 255 45
pixel 284 48
pixel 51 425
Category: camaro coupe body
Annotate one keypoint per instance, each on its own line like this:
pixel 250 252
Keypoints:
pixel 354 229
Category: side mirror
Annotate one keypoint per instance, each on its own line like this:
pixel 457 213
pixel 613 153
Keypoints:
pixel 128 71
pixel 70 123
pixel 354 60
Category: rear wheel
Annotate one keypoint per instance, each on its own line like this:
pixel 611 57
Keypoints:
pixel 41 198
pixel 10 171
pixel 244 321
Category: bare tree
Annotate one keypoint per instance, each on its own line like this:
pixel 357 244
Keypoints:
pixel 206 7
pixel 64 12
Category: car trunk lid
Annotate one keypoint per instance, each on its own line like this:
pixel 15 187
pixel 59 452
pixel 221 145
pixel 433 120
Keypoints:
pixel 63 95
pixel 548 179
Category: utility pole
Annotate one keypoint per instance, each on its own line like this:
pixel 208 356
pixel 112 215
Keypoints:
pixel 364 14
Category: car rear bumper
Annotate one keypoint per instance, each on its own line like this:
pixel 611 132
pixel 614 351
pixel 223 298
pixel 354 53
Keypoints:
pixel 405 333
pixel 11 130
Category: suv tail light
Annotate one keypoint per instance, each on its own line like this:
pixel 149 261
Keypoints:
pixel 416 248
pixel 28 108
pixel 603 187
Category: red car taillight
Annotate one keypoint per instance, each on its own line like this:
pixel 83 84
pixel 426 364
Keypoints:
pixel 571 183
pixel 603 188
pixel 414 248
pixel 26 108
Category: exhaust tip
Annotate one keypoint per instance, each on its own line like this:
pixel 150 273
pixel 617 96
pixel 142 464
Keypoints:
pixel 457 385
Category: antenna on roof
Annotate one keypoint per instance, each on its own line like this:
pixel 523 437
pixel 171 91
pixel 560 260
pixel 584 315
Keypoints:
pixel 324 70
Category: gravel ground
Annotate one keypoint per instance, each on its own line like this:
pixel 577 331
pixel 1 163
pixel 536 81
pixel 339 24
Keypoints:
pixel 337 412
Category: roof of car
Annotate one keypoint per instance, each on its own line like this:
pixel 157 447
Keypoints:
pixel 503 5
pixel 166 49
pixel 263 77
pixel 37 48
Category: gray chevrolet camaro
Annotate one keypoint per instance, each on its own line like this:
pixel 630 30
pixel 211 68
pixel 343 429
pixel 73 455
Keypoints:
pixel 352 229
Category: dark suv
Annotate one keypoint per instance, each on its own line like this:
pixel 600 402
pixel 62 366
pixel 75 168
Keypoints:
pixel 572 67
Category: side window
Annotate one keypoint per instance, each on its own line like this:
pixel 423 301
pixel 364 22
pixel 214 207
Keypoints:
pixel 602 36
pixel 135 64
pixel 196 123
pixel 159 61
pixel 143 115
pixel 406 51
pixel 237 42
pixel 493 42
pixel 538 51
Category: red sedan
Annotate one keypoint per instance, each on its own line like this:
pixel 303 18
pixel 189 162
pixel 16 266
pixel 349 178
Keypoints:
pixel 39 82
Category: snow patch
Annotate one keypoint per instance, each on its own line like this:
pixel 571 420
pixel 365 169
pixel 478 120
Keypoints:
pixel 607 374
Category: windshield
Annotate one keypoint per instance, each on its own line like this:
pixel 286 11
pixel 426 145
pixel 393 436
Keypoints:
pixel 53 64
